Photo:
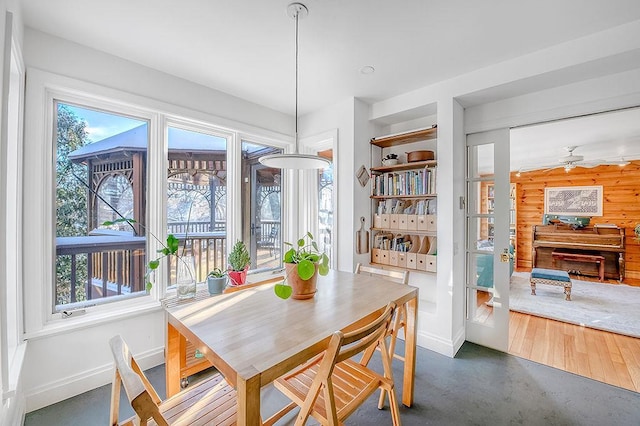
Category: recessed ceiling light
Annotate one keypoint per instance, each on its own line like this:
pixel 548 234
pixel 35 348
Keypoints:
pixel 368 69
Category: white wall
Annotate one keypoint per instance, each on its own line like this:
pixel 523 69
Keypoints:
pixel 350 117
pixel 65 362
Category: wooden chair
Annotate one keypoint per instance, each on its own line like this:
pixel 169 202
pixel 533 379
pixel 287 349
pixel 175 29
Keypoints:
pixel 399 321
pixel 210 402
pixel 332 385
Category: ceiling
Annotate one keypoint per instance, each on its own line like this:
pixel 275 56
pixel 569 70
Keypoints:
pixel 246 48
pixel 607 137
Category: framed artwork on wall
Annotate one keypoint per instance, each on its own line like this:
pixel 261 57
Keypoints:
pixel 573 200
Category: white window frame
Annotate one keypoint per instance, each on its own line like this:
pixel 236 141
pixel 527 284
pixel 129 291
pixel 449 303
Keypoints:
pixel 42 88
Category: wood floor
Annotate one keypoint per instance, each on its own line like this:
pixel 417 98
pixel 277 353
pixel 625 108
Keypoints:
pixel 607 357
pixel 600 355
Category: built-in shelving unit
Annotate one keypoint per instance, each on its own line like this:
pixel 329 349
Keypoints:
pixel 403 201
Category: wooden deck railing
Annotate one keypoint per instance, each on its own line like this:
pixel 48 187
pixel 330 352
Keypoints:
pixel 116 265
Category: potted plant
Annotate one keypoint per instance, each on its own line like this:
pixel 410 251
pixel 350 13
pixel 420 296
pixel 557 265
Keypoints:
pixel 390 160
pixel 303 262
pixel 238 262
pixel 216 280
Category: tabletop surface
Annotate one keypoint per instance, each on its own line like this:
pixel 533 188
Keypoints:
pixel 253 332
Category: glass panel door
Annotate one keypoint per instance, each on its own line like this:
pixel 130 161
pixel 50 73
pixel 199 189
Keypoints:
pixel 489 256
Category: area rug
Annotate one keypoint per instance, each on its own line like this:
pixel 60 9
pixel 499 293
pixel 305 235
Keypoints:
pixel 609 307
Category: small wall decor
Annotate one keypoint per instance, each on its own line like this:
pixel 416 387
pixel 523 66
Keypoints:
pixel 362 176
pixel 573 200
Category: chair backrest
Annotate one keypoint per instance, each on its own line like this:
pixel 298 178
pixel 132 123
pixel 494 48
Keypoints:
pixel 401 277
pixel 235 288
pixel 356 341
pixel 142 396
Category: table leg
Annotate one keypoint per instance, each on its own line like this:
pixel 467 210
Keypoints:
pixel 249 401
pixel 410 352
pixel 172 361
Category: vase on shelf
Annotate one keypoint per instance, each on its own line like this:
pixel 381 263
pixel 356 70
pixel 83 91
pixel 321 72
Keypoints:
pixel 186 277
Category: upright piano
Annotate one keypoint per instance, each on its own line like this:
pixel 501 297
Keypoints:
pixel 607 242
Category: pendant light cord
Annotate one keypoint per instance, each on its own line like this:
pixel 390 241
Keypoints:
pixel 297 17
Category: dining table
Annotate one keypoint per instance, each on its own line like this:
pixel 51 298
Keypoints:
pixel 252 337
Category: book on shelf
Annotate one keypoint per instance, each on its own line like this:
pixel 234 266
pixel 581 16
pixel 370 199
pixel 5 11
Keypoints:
pixel 410 182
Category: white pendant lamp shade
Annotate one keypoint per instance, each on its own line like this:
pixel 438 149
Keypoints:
pixel 295 160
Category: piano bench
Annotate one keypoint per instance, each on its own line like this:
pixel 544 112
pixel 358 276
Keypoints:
pixel 551 277
pixel 587 258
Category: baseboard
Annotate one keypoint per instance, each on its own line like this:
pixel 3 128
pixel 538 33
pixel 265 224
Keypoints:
pixel 52 392
pixel 437 344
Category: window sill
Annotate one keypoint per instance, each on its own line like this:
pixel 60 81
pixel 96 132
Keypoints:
pixel 59 325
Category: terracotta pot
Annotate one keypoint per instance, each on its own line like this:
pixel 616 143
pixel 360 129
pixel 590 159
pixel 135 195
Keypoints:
pixel 238 277
pixel 302 289
pixel 422 155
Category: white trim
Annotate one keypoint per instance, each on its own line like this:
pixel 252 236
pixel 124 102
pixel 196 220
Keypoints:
pixel 11 312
pixel 42 90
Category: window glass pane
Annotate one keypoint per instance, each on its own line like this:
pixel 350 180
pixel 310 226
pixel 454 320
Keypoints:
pixel 325 206
pixel 100 177
pixel 197 199
pixel 261 207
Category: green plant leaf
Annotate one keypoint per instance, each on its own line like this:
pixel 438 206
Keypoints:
pixel 153 264
pixel 323 269
pixel 301 242
pixel 148 286
pixel 172 243
pixel 108 223
pixel 310 235
pixel 283 291
pixel 164 251
pixel 306 269
pixel 315 245
pixel 288 256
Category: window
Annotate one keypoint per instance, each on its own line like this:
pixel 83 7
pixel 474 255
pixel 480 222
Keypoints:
pixel 261 196
pixel 113 157
pixel 100 175
pixel 197 198
pixel 325 206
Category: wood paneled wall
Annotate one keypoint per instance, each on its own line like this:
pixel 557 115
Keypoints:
pixel 621 188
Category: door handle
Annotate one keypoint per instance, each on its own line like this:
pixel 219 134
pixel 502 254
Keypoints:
pixel 505 256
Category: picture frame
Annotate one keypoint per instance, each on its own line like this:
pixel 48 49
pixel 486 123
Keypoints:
pixel 573 200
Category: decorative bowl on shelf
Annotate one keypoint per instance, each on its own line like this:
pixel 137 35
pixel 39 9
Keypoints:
pixel 389 162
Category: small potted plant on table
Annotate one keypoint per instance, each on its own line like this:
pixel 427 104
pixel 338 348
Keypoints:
pixel 303 262
pixel 216 280
pixel 238 261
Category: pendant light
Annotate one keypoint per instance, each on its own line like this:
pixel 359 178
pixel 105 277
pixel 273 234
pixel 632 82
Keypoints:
pixel 295 160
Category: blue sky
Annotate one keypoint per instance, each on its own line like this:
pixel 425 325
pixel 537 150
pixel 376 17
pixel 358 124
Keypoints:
pixel 101 125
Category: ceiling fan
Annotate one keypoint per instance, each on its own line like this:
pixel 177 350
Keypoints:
pixel 571 161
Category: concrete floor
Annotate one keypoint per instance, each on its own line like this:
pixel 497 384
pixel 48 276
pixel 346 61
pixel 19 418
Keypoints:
pixel 478 387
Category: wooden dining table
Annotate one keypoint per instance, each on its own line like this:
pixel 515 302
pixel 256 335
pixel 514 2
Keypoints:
pixel 252 336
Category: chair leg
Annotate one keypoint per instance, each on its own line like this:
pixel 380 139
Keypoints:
pixel 393 406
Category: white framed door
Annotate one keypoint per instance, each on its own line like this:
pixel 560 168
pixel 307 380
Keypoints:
pixel 488 251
